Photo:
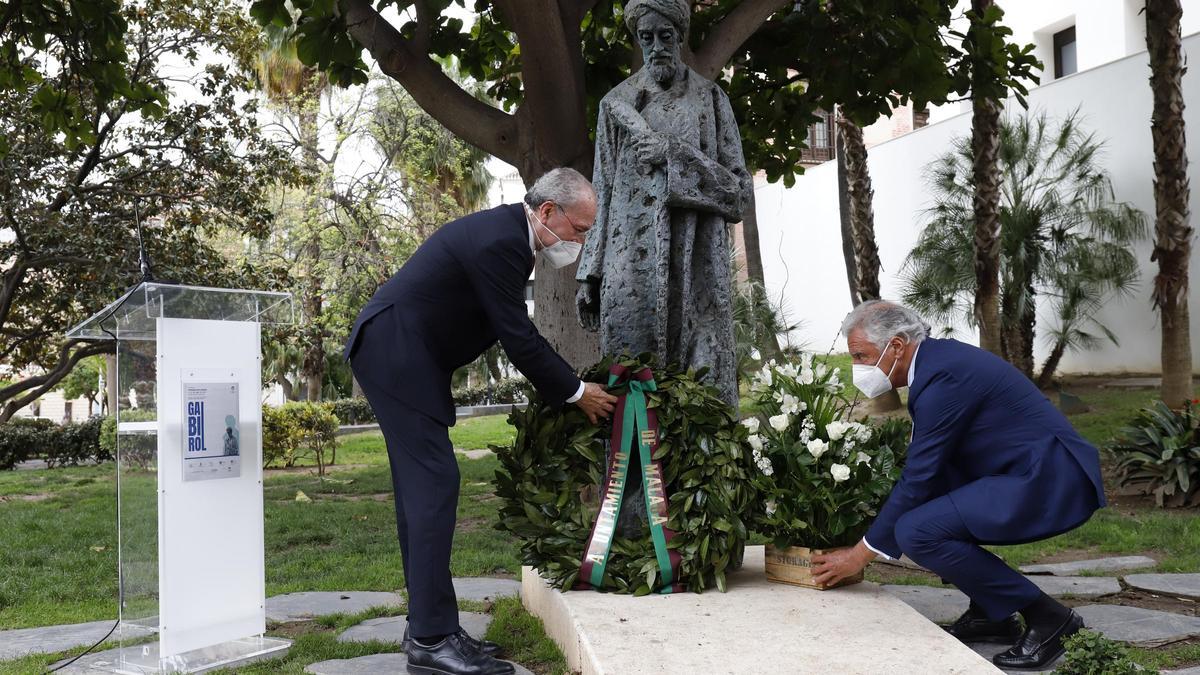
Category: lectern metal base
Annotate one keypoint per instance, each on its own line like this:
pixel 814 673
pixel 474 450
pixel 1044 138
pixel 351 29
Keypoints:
pixel 144 660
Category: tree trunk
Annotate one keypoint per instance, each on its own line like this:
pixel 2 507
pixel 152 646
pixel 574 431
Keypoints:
pixel 769 347
pixel 492 358
pixel 110 382
pixel 985 144
pixel 313 368
pixel 844 213
pixel 356 390
pixel 1173 233
pixel 1046 378
pixel 862 214
pixel 285 385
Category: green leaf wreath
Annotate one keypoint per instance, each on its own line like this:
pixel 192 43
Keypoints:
pixel 558 456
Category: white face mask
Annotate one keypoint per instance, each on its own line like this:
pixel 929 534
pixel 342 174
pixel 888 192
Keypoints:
pixel 561 253
pixel 872 381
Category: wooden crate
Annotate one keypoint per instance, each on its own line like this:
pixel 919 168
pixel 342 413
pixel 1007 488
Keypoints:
pixel 793 565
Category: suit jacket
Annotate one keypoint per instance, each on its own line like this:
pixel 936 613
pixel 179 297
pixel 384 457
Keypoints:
pixel 983 434
pixel 462 289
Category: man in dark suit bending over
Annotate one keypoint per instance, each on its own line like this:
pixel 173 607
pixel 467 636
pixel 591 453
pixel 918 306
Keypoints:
pixel 991 462
pixel 460 291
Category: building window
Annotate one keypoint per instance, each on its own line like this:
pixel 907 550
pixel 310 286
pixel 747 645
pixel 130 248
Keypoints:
pixel 66 412
pixel 820 132
pixel 529 291
pixel 1065 60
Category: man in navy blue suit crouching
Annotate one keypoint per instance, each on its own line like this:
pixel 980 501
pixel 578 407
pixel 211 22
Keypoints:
pixel 991 461
pixel 459 293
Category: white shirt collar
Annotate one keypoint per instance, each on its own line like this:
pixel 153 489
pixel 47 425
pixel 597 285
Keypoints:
pixel 529 219
pixel 912 365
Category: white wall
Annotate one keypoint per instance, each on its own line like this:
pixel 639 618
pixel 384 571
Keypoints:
pixel 800 230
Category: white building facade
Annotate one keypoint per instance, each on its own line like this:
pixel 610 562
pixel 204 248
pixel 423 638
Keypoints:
pixel 1095 61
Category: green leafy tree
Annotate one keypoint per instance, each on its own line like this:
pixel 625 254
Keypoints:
pixel 1064 240
pixel 199 164
pixel 84 380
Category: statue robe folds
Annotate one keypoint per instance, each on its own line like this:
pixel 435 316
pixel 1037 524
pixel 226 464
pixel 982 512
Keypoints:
pixel 660 246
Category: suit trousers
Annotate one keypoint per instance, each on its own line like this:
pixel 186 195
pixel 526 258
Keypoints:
pixel 425 479
pixel 935 536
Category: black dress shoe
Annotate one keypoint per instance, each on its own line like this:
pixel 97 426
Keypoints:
pixel 486 646
pixel 1039 646
pixel 453 656
pixel 976 627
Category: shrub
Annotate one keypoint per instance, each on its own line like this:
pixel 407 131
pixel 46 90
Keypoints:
pixel 1090 653
pixel 1159 454
pixel 72 444
pixel 134 450
pixel 22 438
pixel 297 430
pixel 353 411
pixel 508 390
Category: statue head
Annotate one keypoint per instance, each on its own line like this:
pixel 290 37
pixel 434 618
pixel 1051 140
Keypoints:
pixel 659 27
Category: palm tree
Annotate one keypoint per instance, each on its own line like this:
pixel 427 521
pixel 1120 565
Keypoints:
pixel 985 135
pixel 1063 240
pixel 1173 234
pixel 296 89
pixel 859 194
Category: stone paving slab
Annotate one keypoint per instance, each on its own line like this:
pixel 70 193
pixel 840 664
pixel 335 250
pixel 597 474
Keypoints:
pixel 474 454
pixel 372 665
pixel 1116 564
pixel 17 643
pixel 485 588
pixel 391 629
pixel 1134 383
pixel 1185 585
pixel 1143 627
pixel 939 605
pixel 305 606
pixel 756 627
pixel 1078 587
pixel 1194 670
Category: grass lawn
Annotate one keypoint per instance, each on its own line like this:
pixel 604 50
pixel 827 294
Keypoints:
pixel 58 540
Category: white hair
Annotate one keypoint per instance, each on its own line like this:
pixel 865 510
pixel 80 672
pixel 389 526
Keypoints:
pixel 563 186
pixel 882 320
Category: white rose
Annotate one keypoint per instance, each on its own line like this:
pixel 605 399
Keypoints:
pixel 836 430
pixel 862 458
pixel 840 472
pixel 790 404
pixel 779 422
pixel 756 442
pixel 817 447
pixel 751 423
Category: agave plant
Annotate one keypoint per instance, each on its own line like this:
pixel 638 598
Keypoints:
pixel 1159 454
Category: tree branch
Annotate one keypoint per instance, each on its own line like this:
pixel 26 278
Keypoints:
pixel 41 384
pixel 477 123
pixel 727 36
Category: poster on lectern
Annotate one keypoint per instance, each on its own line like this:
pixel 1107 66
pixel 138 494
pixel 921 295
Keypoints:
pixel 212 438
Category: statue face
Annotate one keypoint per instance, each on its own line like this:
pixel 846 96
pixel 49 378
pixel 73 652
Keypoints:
pixel 660 45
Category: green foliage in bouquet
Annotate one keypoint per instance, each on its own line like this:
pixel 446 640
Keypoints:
pixel 823 478
pixel 558 457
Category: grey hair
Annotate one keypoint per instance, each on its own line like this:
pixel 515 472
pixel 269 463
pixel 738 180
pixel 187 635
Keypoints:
pixel 563 186
pixel 882 320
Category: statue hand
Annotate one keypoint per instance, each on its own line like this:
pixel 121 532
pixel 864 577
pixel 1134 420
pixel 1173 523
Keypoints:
pixel 587 305
pixel 651 149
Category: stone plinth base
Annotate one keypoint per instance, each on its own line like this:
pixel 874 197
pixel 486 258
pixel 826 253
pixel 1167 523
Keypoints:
pixel 757 627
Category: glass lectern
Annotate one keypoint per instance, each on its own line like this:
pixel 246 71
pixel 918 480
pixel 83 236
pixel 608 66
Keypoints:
pixel 189 473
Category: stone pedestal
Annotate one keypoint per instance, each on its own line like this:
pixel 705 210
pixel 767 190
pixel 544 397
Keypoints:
pixel 757 627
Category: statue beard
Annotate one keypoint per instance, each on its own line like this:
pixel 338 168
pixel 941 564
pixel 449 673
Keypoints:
pixel 664 73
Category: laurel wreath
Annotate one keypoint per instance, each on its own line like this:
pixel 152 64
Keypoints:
pixel 558 459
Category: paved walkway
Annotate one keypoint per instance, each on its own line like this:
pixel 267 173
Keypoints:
pixel 1131 625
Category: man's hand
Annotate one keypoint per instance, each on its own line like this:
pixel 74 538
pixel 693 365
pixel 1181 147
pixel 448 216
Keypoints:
pixel 830 568
pixel 595 402
pixel 587 306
